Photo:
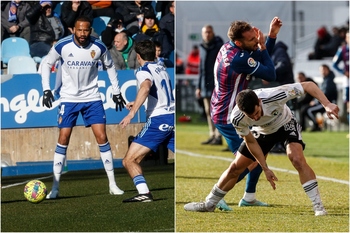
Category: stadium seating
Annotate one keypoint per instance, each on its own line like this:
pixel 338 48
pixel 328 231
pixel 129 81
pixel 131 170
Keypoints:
pixel 12 47
pixel 21 65
pixel 99 24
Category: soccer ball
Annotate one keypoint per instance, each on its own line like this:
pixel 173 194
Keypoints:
pixel 35 191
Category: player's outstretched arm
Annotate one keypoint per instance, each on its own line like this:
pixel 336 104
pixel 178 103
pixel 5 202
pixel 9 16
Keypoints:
pixel 315 91
pixel 256 151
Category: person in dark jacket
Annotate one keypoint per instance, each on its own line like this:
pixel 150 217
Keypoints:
pixel 133 13
pixel 304 102
pixel 329 88
pixel 71 10
pixel 114 26
pixel 167 24
pixel 13 20
pixel 283 64
pixel 45 28
pixel 208 51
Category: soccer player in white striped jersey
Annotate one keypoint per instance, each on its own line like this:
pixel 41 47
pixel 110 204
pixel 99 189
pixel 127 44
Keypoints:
pixel 155 87
pixel 79 55
pixel 271 121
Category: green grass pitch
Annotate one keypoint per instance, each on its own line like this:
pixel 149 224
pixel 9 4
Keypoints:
pixel 198 168
pixel 85 204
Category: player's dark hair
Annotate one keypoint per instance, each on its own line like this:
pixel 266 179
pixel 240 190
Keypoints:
pixel 237 28
pixel 83 18
pixel 146 49
pixel 157 44
pixel 246 101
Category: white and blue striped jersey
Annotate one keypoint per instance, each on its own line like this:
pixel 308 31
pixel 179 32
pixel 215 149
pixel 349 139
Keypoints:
pixel 275 111
pixel 79 69
pixel 160 99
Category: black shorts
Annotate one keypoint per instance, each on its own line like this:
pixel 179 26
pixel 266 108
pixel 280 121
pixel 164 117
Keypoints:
pixel 290 132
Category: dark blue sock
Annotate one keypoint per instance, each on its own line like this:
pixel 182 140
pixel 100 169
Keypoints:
pixel 243 174
pixel 252 179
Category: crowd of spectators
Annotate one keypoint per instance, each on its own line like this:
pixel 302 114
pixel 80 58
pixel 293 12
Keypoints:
pixel 42 26
pixel 327 44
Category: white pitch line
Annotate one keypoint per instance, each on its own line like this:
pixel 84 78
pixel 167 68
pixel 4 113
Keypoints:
pixel 24 182
pixel 272 168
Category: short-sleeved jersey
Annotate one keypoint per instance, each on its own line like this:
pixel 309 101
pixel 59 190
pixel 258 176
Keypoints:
pixel 160 99
pixel 275 111
pixel 232 71
pixel 79 69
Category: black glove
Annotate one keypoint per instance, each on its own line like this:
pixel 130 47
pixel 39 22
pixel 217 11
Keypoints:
pixel 48 98
pixel 119 102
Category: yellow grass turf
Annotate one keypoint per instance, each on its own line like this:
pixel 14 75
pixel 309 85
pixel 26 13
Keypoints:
pixel 290 208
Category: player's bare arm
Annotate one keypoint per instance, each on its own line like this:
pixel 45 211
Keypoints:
pixel 256 151
pixel 129 105
pixel 140 99
pixel 275 26
pixel 315 91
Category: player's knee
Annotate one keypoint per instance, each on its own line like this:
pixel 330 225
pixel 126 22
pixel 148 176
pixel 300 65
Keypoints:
pixel 298 161
pixel 234 170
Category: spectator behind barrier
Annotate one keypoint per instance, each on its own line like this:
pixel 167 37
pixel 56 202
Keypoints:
pixel 45 28
pixel 14 22
pixel 329 88
pixel 123 52
pixel 71 10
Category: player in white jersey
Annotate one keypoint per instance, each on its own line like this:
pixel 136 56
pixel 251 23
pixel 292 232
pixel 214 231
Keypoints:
pixel 265 110
pixel 78 55
pixel 155 87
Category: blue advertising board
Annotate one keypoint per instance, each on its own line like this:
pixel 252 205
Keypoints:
pixel 21 100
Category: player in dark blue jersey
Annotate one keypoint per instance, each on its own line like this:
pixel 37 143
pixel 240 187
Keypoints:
pixel 244 56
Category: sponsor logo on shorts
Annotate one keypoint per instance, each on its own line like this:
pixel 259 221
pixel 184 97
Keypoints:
pixel 166 127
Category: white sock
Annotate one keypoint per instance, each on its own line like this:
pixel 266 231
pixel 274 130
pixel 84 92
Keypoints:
pixel 311 189
pixel 214 196
pixel 140 184
pixel 249 197
pixel 107 160
pixel 58 163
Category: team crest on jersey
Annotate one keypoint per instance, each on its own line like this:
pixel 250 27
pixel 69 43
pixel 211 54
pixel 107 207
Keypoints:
pixel 93 53
pixel 294 92
pixel 251 62
pixel 274 112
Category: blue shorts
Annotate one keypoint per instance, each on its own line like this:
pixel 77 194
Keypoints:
pixel 157 130
pixel 91 112
pixel 230 135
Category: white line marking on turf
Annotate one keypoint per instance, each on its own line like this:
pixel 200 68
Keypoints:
pixel 272 168
pixel 24 182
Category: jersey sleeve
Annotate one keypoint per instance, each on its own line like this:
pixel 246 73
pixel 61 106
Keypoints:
pixel 237 120
pixel 142 75
pixel 45 67
pixel 261 68
pixel 111 71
